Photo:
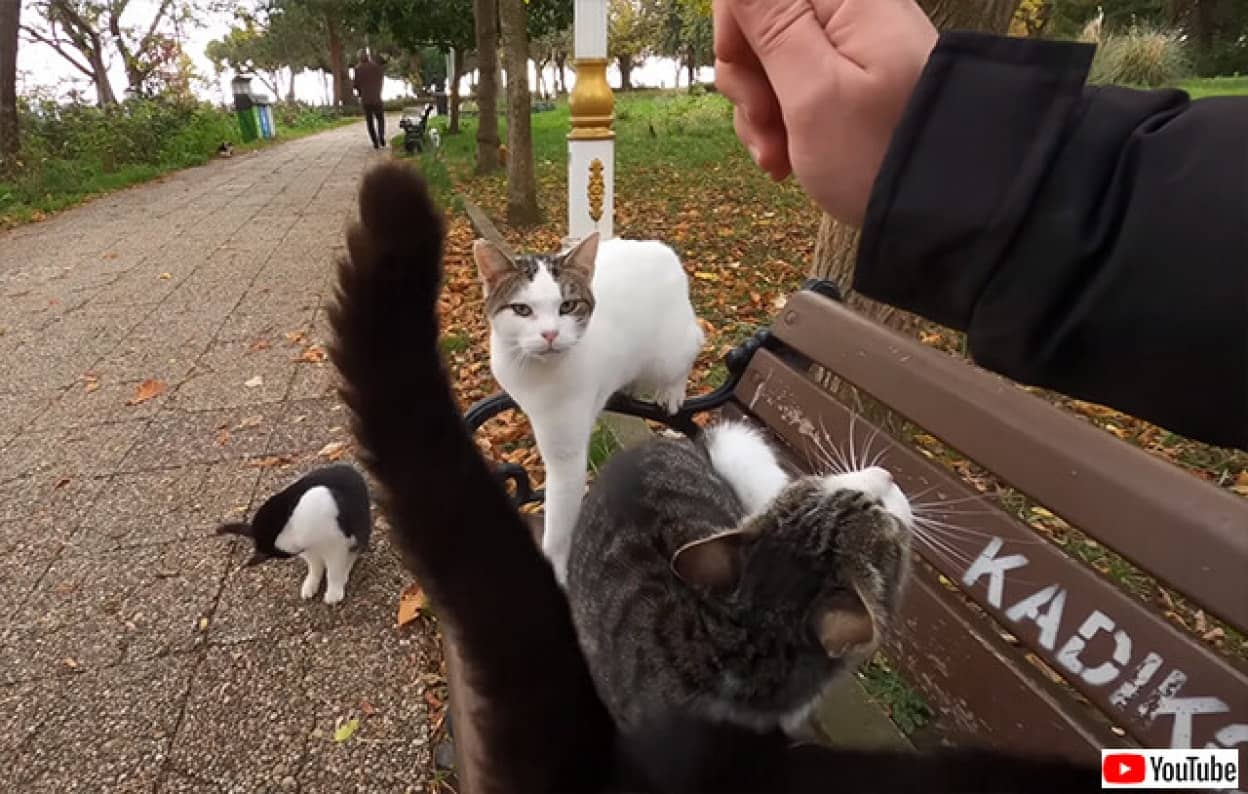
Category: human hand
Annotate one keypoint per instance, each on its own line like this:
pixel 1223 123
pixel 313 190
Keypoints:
pixel 819 87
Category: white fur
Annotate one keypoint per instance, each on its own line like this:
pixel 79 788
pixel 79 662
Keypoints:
pixel 877 483
pixel 743 458
pixel 643 337
pixel 312 532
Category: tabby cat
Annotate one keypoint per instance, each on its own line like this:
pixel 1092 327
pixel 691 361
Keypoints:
pixel 545 728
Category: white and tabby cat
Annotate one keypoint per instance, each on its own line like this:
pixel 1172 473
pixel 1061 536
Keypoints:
pixel 567 331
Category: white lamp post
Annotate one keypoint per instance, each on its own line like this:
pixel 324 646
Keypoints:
pixel 591 142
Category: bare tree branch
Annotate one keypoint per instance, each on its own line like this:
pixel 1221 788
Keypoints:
pixel 55 44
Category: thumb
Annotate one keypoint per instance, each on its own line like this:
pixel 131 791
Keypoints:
pixel 792 46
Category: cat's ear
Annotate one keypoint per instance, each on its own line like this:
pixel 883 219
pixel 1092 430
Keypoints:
pixel 845 626
pixel 241 528
pixel 713 562
pixel 492 263
pixel 582 256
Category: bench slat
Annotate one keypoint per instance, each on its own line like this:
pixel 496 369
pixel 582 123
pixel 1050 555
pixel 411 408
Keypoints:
pixel 1100 639
pixel 1184 531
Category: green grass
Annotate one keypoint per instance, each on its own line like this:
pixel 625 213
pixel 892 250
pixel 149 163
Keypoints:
pixel 455 342
pixel 903 704
pixel 1216 86
pixel 602 445
pixel 73 154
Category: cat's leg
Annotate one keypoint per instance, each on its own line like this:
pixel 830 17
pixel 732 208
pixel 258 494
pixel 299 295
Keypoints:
pixel 338 565
pixel 312 582
pixel 565 453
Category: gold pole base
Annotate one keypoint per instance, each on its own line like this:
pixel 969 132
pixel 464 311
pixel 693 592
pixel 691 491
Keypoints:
pixel 592 105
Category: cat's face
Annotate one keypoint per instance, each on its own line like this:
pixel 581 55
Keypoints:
pixel 538 305
pixel 827 561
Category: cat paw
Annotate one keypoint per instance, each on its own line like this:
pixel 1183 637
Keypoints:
pixel 671 399
pixel 309 589
pixel 333 595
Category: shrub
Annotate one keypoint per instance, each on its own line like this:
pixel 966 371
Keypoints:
pixel 1140 56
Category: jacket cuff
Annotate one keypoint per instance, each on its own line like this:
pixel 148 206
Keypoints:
pixel 972 149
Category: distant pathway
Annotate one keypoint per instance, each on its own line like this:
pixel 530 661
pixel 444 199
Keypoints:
pixel 136 655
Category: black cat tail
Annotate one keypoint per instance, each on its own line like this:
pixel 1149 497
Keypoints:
pixel 493 591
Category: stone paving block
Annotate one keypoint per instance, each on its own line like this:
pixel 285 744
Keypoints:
pixel 306 426
pixel 106 730
pixel 232 374
pixel 313 382
pixel 248 719
pixel 21 411
pixel 97 400
pixel 71 452
pixel 175 438
pixel 168 358
pixel 351 672
pixel 83 615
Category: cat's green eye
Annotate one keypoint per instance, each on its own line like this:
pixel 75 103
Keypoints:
pixel 567 307
pixel 521 310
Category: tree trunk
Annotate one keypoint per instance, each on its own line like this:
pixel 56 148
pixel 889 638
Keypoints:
pixel 452 124
pixel 561 62
pixel 836 246
pixel 337 62
pixel 522 209
pixel 485 13
pixel 103 88
pixel 691 64
pixel 626 72
pixel 9 140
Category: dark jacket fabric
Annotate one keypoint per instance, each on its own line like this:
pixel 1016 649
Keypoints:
pixel 1090 240
pixel 368 81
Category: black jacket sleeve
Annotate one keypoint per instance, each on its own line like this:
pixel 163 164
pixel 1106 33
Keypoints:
pixel 1089 240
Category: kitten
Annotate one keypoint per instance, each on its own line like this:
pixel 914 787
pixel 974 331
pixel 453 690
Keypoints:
pixel 567 331
pixel 542 726
pixel 323 517
pixel 740 610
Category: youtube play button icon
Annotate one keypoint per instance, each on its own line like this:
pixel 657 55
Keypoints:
pixel 1123 768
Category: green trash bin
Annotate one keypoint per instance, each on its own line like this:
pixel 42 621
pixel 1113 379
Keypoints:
pixel 247 108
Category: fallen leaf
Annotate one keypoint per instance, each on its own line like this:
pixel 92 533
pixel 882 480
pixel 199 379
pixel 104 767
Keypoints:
pixel 147 390
pixel 254 383
pixel 249 422
pixel 1040 511
pixel 258 345
pixel 368 708
pixel 166 276
pixel 295 337
pixel 69 662
pixel 111 255
pixel 203 624
pixel 223 437
pixel 705 276
pixel 61 483
pixel 270 461
pixel 411 601
pixel 334 450
pixel 345 730
pixel 313 354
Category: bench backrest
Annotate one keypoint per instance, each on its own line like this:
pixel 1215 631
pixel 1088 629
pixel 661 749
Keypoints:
pixel 988 597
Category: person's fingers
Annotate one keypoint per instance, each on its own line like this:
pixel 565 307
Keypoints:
pixel 747 88
pixel 768 146
pixel 789 41
pixel 730 44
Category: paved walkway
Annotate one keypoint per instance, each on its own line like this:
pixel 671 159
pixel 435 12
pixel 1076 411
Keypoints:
pixel 135 653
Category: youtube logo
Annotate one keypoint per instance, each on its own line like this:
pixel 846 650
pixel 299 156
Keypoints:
pixel 1123 768
pixel 1171 768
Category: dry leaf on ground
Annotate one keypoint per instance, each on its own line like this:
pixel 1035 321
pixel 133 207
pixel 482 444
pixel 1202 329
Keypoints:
pixel 258 345
pixel 254 383
pixel 312 354
pixel 270 461
pixel 346 729
pixel 334 450
pixel 411 601
pixel 147 390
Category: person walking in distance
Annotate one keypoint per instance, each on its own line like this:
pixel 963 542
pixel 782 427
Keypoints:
pixel 369 77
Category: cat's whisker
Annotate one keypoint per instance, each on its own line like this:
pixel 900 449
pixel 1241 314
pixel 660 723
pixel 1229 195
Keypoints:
pixel 955 530
pixel 946 502
pixel 944 549
pixel 866 450
pixel 846 464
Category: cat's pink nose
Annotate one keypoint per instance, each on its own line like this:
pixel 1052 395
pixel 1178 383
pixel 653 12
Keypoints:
pixel 550 336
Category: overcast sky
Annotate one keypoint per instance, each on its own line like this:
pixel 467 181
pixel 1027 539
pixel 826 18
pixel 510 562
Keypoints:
pixel 39 66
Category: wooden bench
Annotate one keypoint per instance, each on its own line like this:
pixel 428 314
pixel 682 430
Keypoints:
pixel 1013 643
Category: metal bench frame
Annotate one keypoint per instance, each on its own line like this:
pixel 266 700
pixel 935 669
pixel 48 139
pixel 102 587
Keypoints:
pixel 998 595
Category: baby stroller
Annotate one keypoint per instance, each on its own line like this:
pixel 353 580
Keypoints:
pixel 414 129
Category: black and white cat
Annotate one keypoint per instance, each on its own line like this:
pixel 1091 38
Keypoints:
pixel 324 517
pixel 542 725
